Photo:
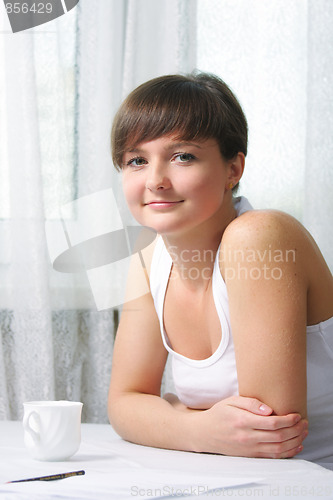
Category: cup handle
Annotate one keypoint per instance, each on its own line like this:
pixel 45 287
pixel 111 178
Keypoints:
pixel 26 425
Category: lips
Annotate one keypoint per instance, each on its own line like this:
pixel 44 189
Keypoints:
pixel 163 203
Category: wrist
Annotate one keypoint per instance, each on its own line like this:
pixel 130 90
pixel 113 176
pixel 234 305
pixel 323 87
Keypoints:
pixel 194 430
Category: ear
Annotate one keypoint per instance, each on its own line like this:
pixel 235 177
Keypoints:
pixel 235 169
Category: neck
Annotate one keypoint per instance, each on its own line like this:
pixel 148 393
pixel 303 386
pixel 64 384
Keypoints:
pixel 193 253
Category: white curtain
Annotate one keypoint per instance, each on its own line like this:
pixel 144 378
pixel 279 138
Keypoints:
pixel 68 75
pixel 60 87
pixel 278 58
pixel 51 348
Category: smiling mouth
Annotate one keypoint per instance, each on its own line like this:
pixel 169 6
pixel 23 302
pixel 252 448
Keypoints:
pixel 163 203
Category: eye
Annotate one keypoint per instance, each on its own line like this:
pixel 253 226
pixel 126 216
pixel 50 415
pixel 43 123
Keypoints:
pixel 137 161
pixel 184 157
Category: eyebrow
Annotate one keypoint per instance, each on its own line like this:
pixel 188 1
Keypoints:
pixel 180 144
pixel 166 148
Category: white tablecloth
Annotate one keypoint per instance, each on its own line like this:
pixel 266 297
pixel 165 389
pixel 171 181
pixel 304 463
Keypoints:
pixel 119 470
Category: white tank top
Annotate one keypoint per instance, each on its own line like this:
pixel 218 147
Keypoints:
pixel 201 383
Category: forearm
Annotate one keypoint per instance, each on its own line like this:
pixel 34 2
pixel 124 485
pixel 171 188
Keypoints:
pixel 236 426
pixel 152 421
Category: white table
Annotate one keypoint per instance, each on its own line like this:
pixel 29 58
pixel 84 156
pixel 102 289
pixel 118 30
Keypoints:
pixel 119 470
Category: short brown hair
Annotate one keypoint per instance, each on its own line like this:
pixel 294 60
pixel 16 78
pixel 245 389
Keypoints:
pixel 195 106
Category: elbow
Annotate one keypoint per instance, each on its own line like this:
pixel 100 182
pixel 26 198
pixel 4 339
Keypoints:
pixel 286 408
pixel 284 394
pixel 282 402
pixel 285 402
pixel 113 409
pixel 116 419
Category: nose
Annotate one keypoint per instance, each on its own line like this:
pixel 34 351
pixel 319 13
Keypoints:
pixel 157 178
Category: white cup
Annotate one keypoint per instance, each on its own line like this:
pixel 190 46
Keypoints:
pixel 52 429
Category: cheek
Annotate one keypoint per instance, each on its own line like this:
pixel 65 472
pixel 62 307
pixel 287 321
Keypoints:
pixel 131 190
pixel 210 188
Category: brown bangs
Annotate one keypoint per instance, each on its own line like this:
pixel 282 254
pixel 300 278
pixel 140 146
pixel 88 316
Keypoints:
pixel 184 106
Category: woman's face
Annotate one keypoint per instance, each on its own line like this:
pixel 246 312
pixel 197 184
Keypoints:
pixel 172 185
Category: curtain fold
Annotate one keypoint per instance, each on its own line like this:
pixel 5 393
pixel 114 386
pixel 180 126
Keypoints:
pixel 27 279
pixel 318 172
pixel 4 403
pixel 160 38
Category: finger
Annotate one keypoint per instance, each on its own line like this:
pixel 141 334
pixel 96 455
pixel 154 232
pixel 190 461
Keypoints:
pixel 286 434
pixel 252 405
pixel 287 454
pixel 286 449
pixel 275 422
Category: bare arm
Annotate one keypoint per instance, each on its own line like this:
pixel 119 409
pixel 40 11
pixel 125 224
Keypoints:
pixel 235 426
pixel 136 410
pixel 267 287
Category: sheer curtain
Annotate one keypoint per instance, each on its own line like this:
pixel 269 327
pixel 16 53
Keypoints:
pixel 278 59
pixel 61 86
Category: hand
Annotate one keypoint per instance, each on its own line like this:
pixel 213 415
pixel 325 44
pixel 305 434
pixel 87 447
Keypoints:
pixel 240 426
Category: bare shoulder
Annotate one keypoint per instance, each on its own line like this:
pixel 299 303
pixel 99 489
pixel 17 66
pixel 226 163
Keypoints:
pixel 269 234
pixel 273 230
pixel 260 226
pixel 264 240
pixel 271 244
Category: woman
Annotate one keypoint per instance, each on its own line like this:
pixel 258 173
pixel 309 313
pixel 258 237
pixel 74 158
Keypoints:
pixel 240 298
